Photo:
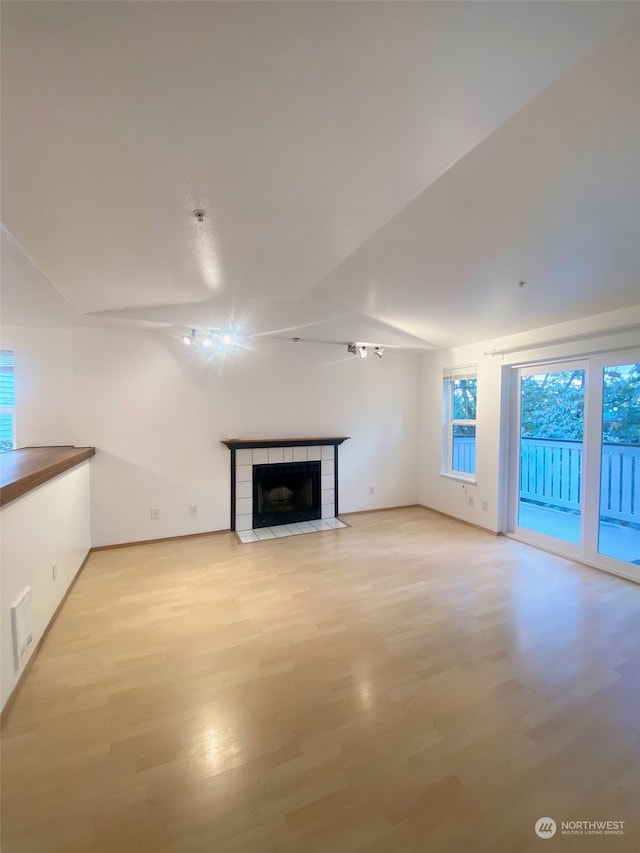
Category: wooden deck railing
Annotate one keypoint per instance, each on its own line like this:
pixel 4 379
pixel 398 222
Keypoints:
pixel 551 473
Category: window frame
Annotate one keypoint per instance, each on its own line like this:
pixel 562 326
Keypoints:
pixel 449 376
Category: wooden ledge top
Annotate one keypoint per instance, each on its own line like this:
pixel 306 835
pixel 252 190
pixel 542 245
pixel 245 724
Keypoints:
pixel 237 443
pixel 25 469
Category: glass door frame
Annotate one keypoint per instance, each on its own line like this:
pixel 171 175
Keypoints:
pixel 592 459
pixel 525 534
pixel 587 549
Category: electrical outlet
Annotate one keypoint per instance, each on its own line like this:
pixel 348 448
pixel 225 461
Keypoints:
pixel 485 506
pixel 155 513
pixel 193 509
pixel 54 571
pixel 372 490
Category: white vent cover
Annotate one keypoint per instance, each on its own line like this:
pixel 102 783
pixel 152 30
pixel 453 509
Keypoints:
pixel 21 625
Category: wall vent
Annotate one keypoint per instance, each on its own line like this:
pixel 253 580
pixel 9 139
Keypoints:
pixel 21 626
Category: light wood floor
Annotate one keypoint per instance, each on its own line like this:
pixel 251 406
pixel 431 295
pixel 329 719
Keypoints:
pixel 406 684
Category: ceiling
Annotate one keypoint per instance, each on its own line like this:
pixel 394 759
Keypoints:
pixel 383 172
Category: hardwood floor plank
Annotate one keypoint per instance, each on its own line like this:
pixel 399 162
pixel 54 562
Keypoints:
pixel 404 684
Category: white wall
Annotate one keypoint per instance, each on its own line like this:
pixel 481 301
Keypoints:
pixel 36 325
pixel 590 335
pixel 44 384
pixel 442 493
pixel 50 523
pixel 157 411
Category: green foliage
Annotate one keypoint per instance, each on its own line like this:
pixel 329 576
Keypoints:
pixel 552 405
pixel 621 404
pixel 465 396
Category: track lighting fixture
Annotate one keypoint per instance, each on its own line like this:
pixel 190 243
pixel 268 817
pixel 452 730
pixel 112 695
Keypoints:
pixel 357 349
pixel 208 338
pixel 361 350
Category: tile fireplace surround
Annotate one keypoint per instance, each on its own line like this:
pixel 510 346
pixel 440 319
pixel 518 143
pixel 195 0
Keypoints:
pixel 245 453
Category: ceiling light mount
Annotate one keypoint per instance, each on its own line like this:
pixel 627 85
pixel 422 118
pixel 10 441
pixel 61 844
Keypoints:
pixel 200 214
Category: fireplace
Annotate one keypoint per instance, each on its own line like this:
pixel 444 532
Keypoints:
pixel 280 481
pixel 286 494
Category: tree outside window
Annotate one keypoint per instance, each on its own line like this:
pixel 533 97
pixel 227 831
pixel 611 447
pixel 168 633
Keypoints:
pixel 460 396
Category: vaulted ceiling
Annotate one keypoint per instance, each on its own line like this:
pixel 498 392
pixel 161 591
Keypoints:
pixel 383 172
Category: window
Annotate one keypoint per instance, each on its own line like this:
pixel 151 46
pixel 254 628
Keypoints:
pixel 460 393
pixel 7 402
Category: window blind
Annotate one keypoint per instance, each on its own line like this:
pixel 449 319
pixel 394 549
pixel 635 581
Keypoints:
pixel 452 373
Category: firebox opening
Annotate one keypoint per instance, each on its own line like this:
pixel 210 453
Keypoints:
pixel 286 493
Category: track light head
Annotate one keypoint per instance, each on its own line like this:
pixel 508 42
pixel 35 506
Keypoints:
pixel 378 351
pixel 358 349
pixel 187 340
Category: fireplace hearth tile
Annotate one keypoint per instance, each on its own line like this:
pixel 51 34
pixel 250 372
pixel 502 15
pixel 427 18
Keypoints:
pixel 260 456
pixel 300 454
pixel 288 454
pixel 247 536
pixel 284 530
pixel 276 455
pixel 265 533
pixel 314 454
pixel 328 451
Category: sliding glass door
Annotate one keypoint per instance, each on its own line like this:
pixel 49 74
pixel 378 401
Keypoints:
pixel 575 472
pixel 550 439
